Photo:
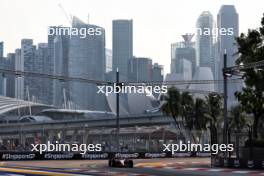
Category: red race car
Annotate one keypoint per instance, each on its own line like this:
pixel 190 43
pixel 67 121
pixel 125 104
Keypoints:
pixel 120 163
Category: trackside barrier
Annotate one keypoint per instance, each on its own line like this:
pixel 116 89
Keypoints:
pixel 16 156
pixel 237 163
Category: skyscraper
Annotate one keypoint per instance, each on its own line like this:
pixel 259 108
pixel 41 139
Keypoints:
pixel 140 69
pixel 7 81
pixel 108 60
pixel 32 59
pixel 157 72
pixel 228 18
pixel 61 67
pixel 3 82
pixel 1 49
pixel 19 81
pixel 10 85
pixel 43 95
pixel 49 65
pixel 2 76
pixel 27 61
pixel 204 40
pixel 122 45
pixel 183 50
pixel 87 60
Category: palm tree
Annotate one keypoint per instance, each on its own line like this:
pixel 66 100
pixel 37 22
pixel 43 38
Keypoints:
pixel 214 105
pixel 196 118
pixel 171 105
pixel 238 118
pixel 200 111
pixel 238 122
pixel 187 104
pixel 251 49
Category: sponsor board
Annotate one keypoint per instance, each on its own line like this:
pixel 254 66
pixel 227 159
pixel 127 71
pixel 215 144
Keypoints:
pixel 7 156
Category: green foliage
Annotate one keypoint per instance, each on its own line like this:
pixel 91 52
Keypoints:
pixel 254 143
pixel 214 102
pixel 197 114
pixel 171 104
pixel 251 98
pixel 238 118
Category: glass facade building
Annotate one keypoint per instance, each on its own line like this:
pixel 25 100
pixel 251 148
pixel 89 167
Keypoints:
pixel 183 50
pixel 61 67
pixel 1 49
pixel 122 45
pixel 87 60
pixel 228 18
pixel 204 40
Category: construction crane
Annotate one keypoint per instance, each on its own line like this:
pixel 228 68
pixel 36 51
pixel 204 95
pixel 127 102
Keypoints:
pixel 69 17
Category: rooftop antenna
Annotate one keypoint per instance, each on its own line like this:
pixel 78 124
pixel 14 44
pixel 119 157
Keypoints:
pixel 88 19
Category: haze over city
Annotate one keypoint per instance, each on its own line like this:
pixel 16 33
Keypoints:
pixel 156 24
pixel 124 87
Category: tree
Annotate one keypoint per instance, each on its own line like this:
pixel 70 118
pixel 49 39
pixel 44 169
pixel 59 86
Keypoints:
pixel 200 111
pixel 187 103
pixel 238 122
pixel 238 118
pixel 214 105
pixel 196 113
pixel 251 98
pixel 171 104
pixel 195 118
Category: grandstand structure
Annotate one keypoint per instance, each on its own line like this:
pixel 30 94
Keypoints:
pixel 11 109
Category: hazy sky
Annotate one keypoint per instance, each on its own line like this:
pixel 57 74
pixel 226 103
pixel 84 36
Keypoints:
pixel 157 23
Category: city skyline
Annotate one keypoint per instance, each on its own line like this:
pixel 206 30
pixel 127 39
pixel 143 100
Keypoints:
pixel 146 30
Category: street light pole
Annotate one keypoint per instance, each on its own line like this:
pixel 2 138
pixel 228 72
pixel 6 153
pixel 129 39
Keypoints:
pixel 225 138
pixel 117 112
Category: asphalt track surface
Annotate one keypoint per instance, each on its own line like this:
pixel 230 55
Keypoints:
pixel 146 167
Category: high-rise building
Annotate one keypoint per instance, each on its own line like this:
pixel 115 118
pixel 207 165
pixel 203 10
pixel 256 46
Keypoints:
pixel 7 81
pixel 49 63
pixel 32 59
pixel 2 65
pixel 57 63
pixel 203 73
pixel 1 49
pixel 122 45
pixel 228 18
pixel 183 50
pixel 28 58
pixel 140 69
pixel 87 60
pixel 3 82
pixel 157 72
pixel 186 68
pixel 10 85
pixel 108 60
pixel 61 67
pixel 204 40
pixel 40 66
pixel 19 81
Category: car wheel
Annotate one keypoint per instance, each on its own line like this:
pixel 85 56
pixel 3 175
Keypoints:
pixel 111 163
pixel 129 164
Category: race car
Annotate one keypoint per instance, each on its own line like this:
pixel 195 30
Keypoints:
pixel 120 163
